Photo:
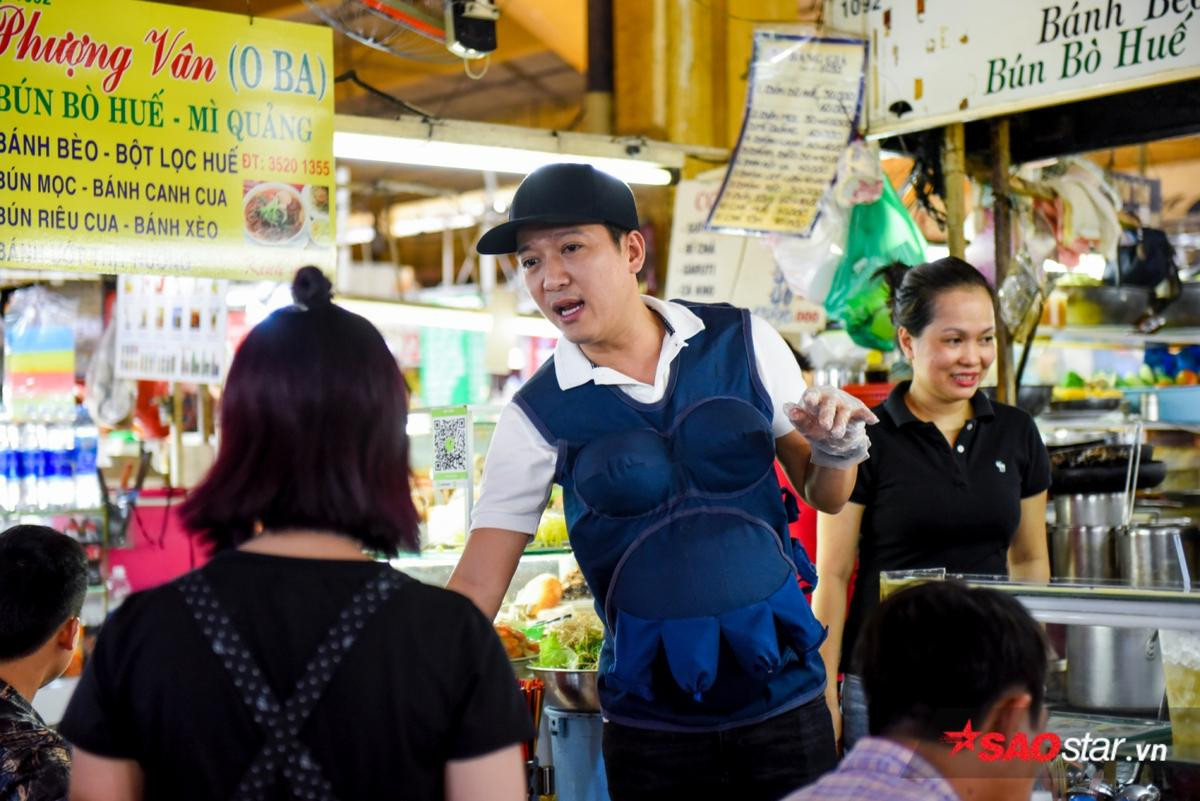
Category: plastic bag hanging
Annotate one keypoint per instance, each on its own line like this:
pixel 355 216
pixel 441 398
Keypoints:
pixel 880 233
pixel 808 264
pixel 39 356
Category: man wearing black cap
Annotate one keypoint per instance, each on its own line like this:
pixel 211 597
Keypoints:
pixel 661 421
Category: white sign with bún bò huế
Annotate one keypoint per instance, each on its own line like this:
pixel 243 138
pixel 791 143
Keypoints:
pixel 934 62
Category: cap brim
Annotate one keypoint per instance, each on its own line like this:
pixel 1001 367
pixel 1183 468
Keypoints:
pixel 503 238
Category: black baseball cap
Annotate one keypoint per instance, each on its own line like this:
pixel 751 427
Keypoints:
pixel 563 194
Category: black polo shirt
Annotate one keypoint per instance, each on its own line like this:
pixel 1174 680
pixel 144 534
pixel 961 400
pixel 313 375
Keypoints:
pixel 928 504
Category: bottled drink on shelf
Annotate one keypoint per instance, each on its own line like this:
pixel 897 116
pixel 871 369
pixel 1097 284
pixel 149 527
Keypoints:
pixel 73 531
pixel 60 475
pixel 29 454
pixel 119 587
pixel 89 533
pixel 49 464
pixel 10 481
pixel 87 448
pixel 95 556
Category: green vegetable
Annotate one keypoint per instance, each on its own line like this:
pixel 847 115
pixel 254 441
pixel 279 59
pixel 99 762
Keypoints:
pixel 573 643
pixel 554 654
pixel 274 213
pixel 1074 379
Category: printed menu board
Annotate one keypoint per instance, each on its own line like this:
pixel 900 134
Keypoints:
pixel 145 138
pixel 802 107
pixel 171 329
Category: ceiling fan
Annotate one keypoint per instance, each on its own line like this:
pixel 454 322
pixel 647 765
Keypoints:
pixel 423 30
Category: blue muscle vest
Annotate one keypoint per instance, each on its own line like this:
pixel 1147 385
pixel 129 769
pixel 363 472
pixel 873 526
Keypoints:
pixel 679 527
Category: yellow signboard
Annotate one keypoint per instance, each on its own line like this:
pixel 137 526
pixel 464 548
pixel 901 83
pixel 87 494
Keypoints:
pixel 145 138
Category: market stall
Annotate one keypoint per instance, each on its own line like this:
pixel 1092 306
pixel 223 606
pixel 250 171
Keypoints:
pixel 1026 106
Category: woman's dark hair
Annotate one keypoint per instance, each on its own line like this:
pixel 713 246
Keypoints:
pixel 913 291
pixel 312 432
pixel 939 654
pixel 43 581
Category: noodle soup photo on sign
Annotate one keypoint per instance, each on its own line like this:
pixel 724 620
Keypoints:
pixel 273 214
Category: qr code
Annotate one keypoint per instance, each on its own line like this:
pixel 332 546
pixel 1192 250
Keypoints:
pixel 450 444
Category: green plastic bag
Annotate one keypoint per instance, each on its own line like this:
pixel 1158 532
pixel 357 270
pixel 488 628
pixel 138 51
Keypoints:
pixel 880 233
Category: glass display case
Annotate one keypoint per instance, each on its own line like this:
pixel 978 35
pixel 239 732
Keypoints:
pixel 1173 618
pixel 444 507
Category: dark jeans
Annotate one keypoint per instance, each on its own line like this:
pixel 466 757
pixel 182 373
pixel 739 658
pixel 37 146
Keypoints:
pixel 760 762
pixel 854 711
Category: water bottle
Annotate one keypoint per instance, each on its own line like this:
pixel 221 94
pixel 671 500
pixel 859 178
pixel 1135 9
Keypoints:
pixel 118 585
pixel 61 478
pixel 8 470
pixel 28 457
pixel 87 448
pixel 45 437
pixel 14 466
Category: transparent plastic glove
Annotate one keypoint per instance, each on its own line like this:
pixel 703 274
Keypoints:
pixel 835 424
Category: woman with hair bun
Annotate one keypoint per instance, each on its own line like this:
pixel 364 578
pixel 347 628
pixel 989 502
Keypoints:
pixel 293 665
pixel 954 480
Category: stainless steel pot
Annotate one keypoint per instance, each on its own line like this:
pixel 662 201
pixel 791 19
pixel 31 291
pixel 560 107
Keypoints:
pixel 1095 509
pixel 1148 554
pixel 1107 668
pixel 1114 668
pixel 1084 552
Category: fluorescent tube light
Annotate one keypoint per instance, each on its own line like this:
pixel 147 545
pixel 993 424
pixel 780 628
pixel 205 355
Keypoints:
pixel 453 155
pixel 478 146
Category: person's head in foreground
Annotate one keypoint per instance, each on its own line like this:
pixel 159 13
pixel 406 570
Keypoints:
pixel 935 658
pixel 312 432
pixel 43 581
pixel 574 230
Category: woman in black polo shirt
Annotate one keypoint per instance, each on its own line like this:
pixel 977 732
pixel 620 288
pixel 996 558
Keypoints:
pixel 953 480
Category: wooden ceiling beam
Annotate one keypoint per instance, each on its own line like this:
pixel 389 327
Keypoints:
pixel 561 25
pixel 1126 159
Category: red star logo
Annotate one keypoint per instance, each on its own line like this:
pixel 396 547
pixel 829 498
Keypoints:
pixel 962 740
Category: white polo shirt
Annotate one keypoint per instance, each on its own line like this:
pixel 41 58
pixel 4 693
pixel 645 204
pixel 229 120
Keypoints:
pixel 519 470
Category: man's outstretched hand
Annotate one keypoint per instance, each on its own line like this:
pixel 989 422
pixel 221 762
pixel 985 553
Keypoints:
pixel 835 424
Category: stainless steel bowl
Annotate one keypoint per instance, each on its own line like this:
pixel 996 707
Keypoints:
pixel 572 690
pixel 1105 305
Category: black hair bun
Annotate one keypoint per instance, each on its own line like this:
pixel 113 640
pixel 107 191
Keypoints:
pixel 311 289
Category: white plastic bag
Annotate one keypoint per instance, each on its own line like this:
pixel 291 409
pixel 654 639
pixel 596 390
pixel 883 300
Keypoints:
pixel 809 263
